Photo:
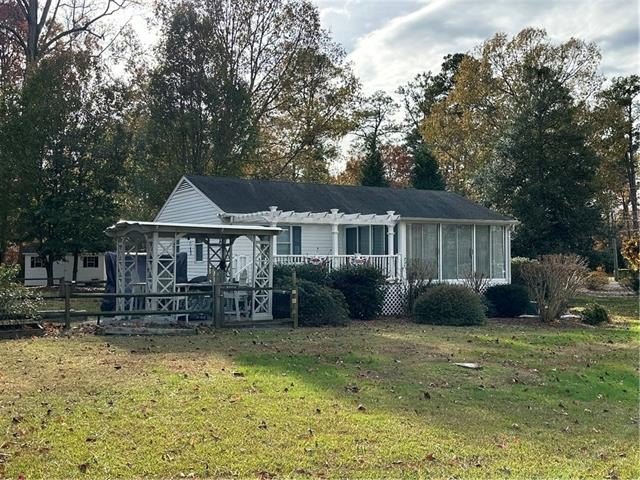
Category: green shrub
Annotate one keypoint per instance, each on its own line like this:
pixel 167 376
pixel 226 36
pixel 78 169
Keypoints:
pixel 313 273
pixel 317 304
pixel 361 286
pixel 516 269
pixel 594 314
pixel 597 280
pixel 507 300
pixel 450 305
pixel 321 305
pixel 628 279
pixel 16 300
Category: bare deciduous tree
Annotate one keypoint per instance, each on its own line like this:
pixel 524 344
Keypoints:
pixel 40 26
pixel 420 275
pixel 476 281
pixel 552 281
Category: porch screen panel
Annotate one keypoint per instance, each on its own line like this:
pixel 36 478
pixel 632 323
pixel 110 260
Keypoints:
pixel 449 251
pixel 378 243
pixel 498 252
pixel 483 246
pixel 430 245
pixel 415 240
pixel 465 250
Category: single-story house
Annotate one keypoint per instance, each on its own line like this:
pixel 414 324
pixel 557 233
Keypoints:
pixel 90 268
pixel 339 224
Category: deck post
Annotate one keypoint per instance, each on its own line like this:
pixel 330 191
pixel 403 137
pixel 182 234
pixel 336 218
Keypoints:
pixel 218 306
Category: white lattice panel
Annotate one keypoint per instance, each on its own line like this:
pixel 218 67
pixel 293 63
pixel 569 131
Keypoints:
pixel 394 300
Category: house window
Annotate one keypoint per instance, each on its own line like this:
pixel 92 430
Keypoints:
pixel 367 240
pixel 199 251
pixel 352 240
pixel 36 262
pixel 378 240
pixel 90 261
pixel 290 241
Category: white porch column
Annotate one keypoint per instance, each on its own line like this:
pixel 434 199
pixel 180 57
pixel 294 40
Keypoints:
pixel 335 246
pixel 334 239
pixel 273 223
pixel 391 239
pixel 402 248
pixel 507 252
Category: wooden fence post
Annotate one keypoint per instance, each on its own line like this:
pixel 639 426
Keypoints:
pixel 294 299
pixel 67 305
pixel 218 306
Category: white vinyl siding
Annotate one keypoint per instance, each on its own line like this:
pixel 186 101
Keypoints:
pixel 188 205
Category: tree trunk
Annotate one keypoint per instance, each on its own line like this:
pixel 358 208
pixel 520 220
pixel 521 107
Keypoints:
pixel 49 267
pixel 74 275
pixel 631 174
pixel 32 34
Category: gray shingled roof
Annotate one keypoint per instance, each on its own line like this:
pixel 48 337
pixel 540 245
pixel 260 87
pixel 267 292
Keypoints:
pixel 235 195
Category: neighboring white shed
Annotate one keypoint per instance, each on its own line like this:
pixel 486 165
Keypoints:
pixel 90 269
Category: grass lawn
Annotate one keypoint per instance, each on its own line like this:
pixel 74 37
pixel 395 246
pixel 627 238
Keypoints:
pixel 376 399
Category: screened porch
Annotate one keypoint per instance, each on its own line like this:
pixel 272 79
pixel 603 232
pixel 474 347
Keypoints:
pixel 457 251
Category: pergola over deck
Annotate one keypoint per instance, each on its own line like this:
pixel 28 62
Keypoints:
pixel 274 216
pixel 160 242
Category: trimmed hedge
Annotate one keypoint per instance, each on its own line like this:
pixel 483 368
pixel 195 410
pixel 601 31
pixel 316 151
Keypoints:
pixel 361 286
pixel 313 273
pixel 594 314
pixel 317 304
pixel 508 300
pixel 321 305
pixel 450 305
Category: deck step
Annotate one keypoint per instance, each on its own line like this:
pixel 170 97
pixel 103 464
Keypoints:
pixel 145 331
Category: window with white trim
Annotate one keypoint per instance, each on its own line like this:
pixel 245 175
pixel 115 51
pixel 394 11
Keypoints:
pixel 199 251
pixel 90 261
pixel 290 240
pixel 36 262
pixel 368 240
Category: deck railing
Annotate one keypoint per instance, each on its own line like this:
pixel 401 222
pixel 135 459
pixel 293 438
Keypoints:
pixel 389 265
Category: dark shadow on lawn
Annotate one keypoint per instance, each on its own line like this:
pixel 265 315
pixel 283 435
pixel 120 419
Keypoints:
pixel 408 369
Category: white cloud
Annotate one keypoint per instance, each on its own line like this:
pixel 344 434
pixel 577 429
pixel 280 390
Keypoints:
pixel 408 43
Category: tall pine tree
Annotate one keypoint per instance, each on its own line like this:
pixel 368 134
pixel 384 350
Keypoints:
pixel 425 174
pixel 376 125
pixel 544 172
pixel 372 169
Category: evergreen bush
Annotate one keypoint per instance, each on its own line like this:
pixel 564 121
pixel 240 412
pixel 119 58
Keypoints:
pixel 450 305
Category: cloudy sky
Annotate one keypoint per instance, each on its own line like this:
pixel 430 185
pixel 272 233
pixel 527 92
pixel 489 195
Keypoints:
pixel 390 41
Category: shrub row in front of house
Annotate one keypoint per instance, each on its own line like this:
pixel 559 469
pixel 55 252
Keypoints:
pixel 332 298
